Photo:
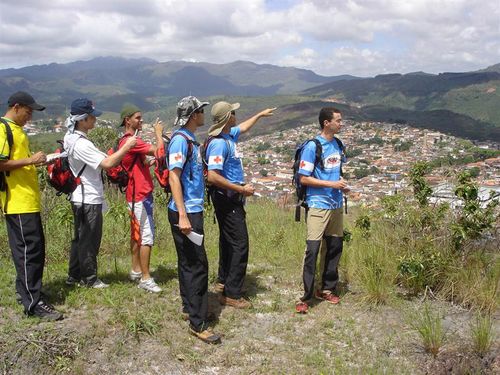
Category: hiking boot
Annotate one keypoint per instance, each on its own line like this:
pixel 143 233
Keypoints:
pixel 301 307
pixel 210 316
pixel 239 303
pixel 149 285
pixel 134 276
pixel 206 335
pixel 71 281
pixel 45 311
pixel 327 296
pixel 219 288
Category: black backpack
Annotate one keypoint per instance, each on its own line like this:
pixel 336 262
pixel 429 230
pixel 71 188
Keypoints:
pixel 300 190
pixel 10 142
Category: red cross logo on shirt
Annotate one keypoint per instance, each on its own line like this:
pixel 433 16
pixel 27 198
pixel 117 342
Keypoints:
pixel 217 160
pixel 177 157
pixel 302 164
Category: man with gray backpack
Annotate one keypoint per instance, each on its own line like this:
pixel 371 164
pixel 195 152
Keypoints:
pixel 324 188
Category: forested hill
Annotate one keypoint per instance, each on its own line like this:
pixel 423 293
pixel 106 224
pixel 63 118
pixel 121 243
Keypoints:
pixel 111 81
pixel 475 95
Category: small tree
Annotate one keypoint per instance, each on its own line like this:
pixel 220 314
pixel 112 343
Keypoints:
pixel 421 189
pixel 103 138
pixel 472 219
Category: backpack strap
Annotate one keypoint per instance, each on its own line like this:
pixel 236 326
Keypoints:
pixel 342 155
pixel 10 140
pixel 3 175
pixel 190 143
pixel 210 188
pixel 318 160
pixel 207 143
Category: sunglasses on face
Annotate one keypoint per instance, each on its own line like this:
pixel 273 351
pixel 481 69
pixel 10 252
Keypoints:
pixel 201 110
pixel 233 113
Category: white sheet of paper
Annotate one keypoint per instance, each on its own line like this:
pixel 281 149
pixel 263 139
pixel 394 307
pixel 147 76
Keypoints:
pixel 56 155
pixel 195 238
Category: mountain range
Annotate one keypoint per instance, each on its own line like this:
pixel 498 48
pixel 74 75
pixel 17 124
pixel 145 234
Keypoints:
pixel 464 104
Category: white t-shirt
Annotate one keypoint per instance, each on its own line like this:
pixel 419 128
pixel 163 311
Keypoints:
pixel 81 151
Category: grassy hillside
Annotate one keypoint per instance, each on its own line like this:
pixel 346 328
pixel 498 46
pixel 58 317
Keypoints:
pixel 389 267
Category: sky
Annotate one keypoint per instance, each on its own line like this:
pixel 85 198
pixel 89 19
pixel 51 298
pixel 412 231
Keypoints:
pixel 330 37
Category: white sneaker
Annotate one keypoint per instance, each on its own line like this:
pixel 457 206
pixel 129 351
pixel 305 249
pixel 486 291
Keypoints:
pixel 149 285
pixel 99 284
pixel 134 276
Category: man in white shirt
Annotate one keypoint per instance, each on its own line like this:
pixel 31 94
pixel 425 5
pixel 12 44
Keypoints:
pixel 87 200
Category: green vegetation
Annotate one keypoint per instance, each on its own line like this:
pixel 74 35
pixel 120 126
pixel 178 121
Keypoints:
pixel 394 256
pixel 376 140
pixel 430 328
pixel 482 334
pixel 472 154
pixel 403 146
pixel 263 146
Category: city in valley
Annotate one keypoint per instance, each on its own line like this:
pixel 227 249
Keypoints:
pixel 380 156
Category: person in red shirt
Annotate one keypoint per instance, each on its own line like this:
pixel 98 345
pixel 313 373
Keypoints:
pixel 139 195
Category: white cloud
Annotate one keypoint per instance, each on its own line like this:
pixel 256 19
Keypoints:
pixel 361 37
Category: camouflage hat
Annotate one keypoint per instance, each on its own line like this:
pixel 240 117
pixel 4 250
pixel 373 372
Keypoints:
pixel 186 107
pixel 221 113
pixel 127 111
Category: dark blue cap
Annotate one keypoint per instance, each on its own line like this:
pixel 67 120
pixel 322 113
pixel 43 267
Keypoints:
pixel 84 106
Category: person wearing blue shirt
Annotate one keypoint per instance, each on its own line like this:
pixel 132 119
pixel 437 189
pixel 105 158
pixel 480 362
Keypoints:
pixel 228 191
pixel 185 214
pixel 324 189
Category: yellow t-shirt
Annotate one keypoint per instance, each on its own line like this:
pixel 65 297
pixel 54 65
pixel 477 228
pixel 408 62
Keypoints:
pixel 23 193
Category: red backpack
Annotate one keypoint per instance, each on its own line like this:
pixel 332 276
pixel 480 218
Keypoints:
pixel 61 177
pixel 119 175
pixel 161 163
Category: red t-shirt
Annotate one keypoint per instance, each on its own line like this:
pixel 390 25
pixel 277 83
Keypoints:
pixel 140 175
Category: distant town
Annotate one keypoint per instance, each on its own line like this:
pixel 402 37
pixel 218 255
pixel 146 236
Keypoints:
pixel 380 156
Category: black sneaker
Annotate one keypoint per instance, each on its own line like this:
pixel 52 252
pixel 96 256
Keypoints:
pixel 71 281
pixel 46 311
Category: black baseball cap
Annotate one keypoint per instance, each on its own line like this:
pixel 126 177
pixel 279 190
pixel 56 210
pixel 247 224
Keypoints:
pixel 83 106
pixel 26 99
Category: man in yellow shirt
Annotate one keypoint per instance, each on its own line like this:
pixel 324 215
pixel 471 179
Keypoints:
pixel 20 202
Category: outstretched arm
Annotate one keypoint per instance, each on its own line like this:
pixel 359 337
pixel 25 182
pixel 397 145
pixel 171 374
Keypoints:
pixel 247 124
pixel 36 159
pixel 114 159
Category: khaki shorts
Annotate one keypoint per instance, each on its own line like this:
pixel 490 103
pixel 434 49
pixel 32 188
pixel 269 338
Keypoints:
pixel 322 222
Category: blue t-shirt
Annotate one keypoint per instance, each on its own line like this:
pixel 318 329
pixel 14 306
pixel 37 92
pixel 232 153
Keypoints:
pixel 222 155
pixel 319 197
pixel 193 186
